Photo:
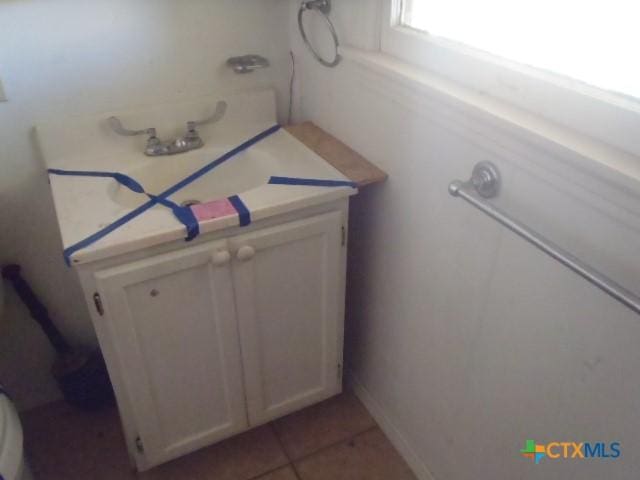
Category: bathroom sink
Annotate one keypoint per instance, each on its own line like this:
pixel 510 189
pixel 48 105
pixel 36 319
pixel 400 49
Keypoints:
pixel 245 171
pixel 100 218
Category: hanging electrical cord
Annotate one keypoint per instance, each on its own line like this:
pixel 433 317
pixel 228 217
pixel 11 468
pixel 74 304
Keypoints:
pixel 291 84
pixel 323 7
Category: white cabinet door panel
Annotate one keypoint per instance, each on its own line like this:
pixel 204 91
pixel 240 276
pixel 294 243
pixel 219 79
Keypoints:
pixel 289 300
pixel 172 320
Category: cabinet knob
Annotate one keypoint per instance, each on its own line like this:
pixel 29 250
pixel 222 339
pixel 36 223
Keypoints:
pixel 221 257
pixel 245 253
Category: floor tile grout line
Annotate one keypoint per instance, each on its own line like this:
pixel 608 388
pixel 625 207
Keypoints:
pixel 268 472
pixel 331 445
pixel 286 454
pixel 292 462
pixel 295 471
pixel 280 442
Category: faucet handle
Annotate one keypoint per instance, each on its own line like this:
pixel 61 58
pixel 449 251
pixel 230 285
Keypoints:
pixel 221 108
pixel 116 126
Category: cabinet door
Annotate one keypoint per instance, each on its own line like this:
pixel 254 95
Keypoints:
pixel 171 320
pixel 289 285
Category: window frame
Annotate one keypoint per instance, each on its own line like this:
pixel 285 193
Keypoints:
pixel 605 116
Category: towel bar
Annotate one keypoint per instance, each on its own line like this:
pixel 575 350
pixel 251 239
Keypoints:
pixel 485 183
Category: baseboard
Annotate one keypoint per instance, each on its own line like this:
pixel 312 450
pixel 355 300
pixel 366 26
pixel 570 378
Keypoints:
pixel 391 431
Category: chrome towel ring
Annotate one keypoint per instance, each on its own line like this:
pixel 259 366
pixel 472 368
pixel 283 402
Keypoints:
pixel 324 7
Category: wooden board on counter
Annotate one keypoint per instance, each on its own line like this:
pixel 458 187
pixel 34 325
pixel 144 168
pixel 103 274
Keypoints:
pixel 352 165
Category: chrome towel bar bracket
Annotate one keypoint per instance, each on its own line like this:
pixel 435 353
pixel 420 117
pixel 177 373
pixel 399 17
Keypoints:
pixel 323 7
pixel 485 183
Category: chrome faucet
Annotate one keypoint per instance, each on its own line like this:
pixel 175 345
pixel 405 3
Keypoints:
pixel 155 147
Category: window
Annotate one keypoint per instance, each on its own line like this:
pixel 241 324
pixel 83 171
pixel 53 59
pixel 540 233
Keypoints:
pixel 590 40
pixel 572 62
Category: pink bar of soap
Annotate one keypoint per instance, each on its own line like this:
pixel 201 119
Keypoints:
pixel 213 209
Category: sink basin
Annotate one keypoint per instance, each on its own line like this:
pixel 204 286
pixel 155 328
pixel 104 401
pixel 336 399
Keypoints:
pixel 245 171
pixel 97 215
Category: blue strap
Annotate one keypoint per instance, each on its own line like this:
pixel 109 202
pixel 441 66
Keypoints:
pixel 219 161
pixel 311 182
pixel 183 214
pixel 154 200
pixel 107 230
pixel 243 212
pixel 121 178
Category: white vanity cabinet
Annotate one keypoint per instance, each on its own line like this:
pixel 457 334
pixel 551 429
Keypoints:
pixel 171 322
pixel 209 340
pixel 289 304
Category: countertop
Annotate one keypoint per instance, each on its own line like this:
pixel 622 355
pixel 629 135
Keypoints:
pixel 349 162
pixel 86 205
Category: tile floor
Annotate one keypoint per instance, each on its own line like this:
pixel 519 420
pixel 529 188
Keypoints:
pixel 334 440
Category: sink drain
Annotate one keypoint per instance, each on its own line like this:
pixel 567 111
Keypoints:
pixel 189 203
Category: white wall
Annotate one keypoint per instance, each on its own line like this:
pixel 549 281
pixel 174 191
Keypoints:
pixel 465 339
pixel 72 57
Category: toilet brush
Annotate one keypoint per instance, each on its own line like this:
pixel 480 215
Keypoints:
pixel 82 377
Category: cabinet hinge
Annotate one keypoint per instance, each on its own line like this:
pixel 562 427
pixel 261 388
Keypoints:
pixel 98 303
pixel 344 236
pixel 139 445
